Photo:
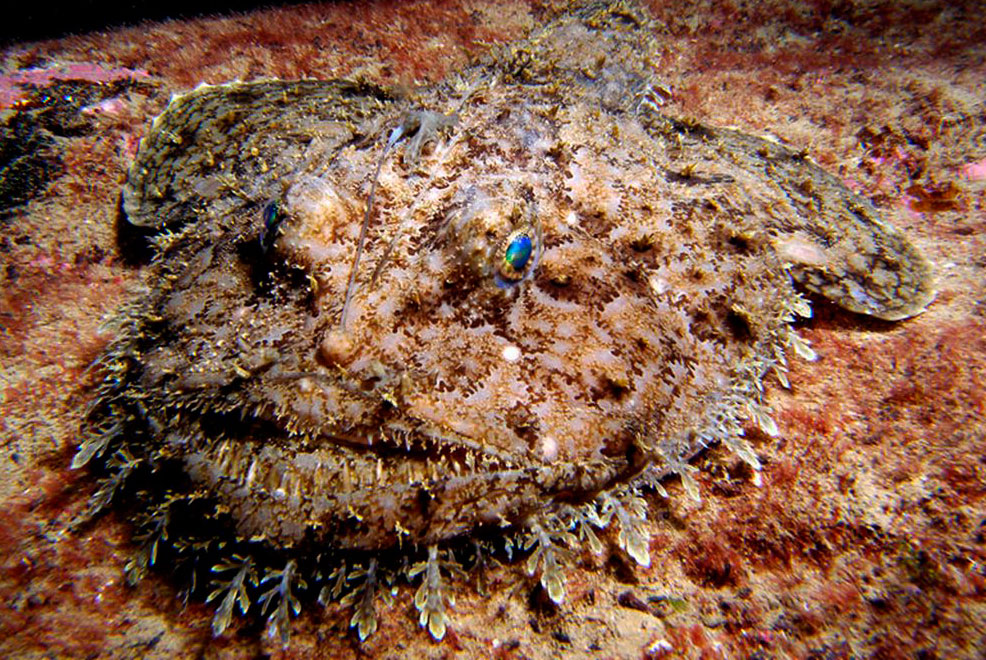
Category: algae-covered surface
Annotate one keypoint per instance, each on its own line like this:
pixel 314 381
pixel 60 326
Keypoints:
pixel 865 537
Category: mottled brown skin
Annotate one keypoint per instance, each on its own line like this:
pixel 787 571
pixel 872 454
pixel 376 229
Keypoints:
pixel 658 295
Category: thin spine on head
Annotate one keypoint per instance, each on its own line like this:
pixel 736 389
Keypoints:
pixel 395 136
pixel 421 126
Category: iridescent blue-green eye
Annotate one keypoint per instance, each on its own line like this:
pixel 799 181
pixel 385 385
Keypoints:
pixel 272 211
pixel 519 252
pixel 519 257
pixel 273 215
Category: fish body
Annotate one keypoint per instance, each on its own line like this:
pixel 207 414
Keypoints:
pixel 563 293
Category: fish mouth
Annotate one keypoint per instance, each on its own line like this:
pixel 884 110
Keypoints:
pixel 413 486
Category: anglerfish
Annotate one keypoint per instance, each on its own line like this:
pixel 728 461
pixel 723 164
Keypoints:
pixel 383 327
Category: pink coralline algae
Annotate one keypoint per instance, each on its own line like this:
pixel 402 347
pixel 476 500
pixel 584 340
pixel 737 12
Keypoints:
pixel 12 84
pixel 974 171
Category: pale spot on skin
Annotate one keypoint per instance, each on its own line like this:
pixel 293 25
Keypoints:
pixel 511 353
pixel 657 285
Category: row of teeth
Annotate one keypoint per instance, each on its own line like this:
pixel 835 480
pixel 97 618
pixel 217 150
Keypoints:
pixel 413 437
pixel 236 461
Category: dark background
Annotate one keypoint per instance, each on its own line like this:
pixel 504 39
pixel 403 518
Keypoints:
pixel 33 20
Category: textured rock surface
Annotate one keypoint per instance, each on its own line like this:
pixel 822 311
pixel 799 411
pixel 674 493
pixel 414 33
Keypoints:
pixel 865 538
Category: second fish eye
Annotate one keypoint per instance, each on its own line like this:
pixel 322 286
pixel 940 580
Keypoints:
pixel 272 217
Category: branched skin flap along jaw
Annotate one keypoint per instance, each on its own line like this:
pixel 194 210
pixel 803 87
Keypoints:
pixel 385 340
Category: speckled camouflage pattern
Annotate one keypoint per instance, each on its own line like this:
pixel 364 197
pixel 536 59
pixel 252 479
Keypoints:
pixel 252 414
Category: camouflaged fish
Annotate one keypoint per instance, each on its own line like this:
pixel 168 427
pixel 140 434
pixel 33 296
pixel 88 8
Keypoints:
pixel 498 310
